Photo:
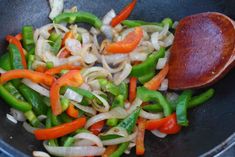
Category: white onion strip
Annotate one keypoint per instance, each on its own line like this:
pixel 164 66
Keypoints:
pixel 159 134
pixel 120 140
pixel 147 115
pixel 2 71
pixel 117 112
pixel 111 70
pixel 74 151
pixel 18 115
pixel 11 118
pixel 86 109
pixel 29 128
pixel 40 154
pixel 36 87
pixel 72 95
pixel 91 137
pixel 119 77
pixel 96 106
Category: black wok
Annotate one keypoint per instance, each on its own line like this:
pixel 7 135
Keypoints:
pixel 210 124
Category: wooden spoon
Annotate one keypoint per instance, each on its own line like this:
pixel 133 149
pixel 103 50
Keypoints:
pixel 203 50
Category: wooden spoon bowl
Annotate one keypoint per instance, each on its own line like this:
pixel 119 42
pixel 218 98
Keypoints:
pixel 203 50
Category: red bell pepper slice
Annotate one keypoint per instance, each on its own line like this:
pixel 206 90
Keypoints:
pixel 123 14
pixel 167 125
pixel 16 42
pixel 34 76
pixel 65 53
pixel 72 112
pixel 132 89
pixel 72 78
pixel 128 44
pixel 140 137
pixel 19 36
pixel 67 35
pixel 58 69
pixel 97 127
pixel 60 130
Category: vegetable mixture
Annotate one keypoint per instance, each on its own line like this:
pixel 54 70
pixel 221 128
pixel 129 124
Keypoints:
pixel 94 92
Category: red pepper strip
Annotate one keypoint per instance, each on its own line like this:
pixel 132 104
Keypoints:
pixel 58 69
pixel 60 130
pixel 123 14
pixel 72 112
pixel 64 54
pixel 166 125
pixel 34 76
pixel 109 150
pixel 156 81
pixel 132 89
pixel 97 127
pixel 72 78
pixel 41 69
pixel 171 126
pixel 140 137
pixel 19 36
pixel 128 44
pixel 17 43
pixel 67 36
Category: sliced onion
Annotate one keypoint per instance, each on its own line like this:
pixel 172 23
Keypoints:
pixel 164 85
pixel 56 8
pixel 72 95
pixel 86 109
pixel 94 31
pixel 40 154
pixel 168 40
pixel 29 128
pixel 127 105
pixel 117 112
pixel 74 151
pixel 105 105
pixel 159 134
pixel 119 77
pixel 108 17
pixel 37 63
pixel 73 45
pixel 115 58
pixel 164 31
pixel 84 143
pixel 154 40
pixel 85 38
pixel 94 84
pixel 131 145
pixel 95 72
pixel 41 90
pixel 95 41
pixel 18 115
pixel 89 58
pixel 136 103
pixel 118 28
pixel 175 24
pixel 138 56
pixel 91 137
pixel 161 63
pixel 147 115
pixel 85 86
pixel 152 28
pixel 42 117
pixel 11 118
pixel 2 71
pixel 120 140
pixel 117 131
pixel 108 32
pixel 167 54
pixel 111 70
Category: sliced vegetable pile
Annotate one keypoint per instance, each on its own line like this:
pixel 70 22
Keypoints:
pixel 88 97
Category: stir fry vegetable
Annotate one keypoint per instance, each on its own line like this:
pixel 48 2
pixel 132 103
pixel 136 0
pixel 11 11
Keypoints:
pixel 87 95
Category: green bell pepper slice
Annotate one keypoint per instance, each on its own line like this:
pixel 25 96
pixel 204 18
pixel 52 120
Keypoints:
pixel 5 61
pixel 79 16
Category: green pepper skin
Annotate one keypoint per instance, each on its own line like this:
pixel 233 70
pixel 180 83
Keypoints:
pixel 28 41
pixel 129 122
pixel 147 77
pixel 153 108
pixel 149 95
pixel 15 58
pixel 34 98
pixel 69 141
pixel 123 90
pixel 148 65
pixel 82 92
pixel 13 101
pixel 181 107
pixel 13 91
pixel 56 45
pixel 202 98
pixel 120 150
pixel 136 23
pixel 32 118
pixel 5 61
pixel 79 17
pixel 108 86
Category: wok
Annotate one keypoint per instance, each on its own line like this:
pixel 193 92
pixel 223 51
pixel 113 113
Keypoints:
pixel 210 124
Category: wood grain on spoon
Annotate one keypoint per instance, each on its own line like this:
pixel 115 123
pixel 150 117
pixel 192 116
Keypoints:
pixel 202 51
